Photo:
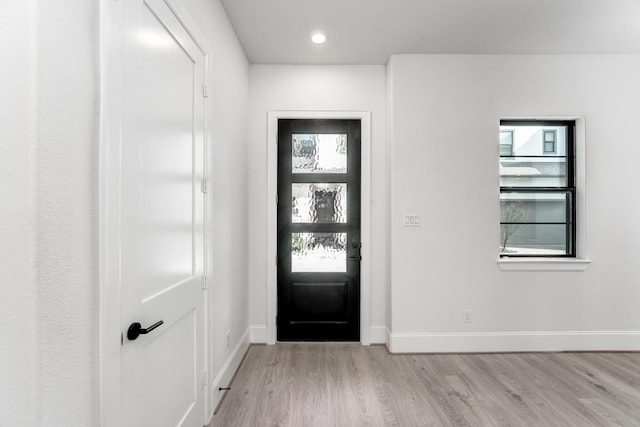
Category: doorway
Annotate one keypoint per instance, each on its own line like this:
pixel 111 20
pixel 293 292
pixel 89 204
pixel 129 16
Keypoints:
pixel 319 235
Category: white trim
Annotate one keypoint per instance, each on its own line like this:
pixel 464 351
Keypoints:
pixel 194 32
pixel 111 22
pixel 581 262
pixel 478 342
pixel 272 179
pixel 258 334
pixel 227 371
pixel 190 27
pixel 543 264
pixel 378 335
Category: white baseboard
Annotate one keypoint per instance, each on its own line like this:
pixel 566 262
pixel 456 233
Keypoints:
pixel 378 334
pixel 258 334
pixel 478 342
pixel 229 369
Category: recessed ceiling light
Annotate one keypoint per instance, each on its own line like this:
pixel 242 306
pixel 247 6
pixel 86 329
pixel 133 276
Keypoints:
pixel 318 37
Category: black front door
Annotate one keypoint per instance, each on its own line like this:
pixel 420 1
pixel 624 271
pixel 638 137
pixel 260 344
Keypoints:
pixel 319 230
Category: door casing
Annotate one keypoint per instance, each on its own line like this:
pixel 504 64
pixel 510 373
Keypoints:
pixel 272 214
pixel 109 341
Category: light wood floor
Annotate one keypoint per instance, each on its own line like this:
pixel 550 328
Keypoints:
pixel 328 385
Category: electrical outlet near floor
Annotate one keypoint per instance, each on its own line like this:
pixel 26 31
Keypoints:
pixel 466 316
pixel 228 338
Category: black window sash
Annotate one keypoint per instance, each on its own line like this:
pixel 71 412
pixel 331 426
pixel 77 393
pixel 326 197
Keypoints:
pixel 569 188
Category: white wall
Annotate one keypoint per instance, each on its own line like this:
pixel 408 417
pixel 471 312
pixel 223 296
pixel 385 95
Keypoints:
pixel 283 87
pixel 18 288
pixel 228 103
pixel 66 197
pixel 444 113
pixel 49 287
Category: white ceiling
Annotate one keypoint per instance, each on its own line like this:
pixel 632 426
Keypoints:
pixel 368 31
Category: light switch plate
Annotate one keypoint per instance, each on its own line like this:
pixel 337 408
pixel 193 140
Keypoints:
pixel 411 220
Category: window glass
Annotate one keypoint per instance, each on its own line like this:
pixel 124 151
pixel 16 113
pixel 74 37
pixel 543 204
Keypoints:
pixel 528 139
pixel 534 239
pixel 537 190
pixel 535 223
pixel 533 172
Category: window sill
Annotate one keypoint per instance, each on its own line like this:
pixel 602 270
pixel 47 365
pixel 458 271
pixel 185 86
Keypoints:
pixel 543 264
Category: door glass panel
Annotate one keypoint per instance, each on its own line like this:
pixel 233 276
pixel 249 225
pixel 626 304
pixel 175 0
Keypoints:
pixel 319 252
pixel 319 153
pixel 318 203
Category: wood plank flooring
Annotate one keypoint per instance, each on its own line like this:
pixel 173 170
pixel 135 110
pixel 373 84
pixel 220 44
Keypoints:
pixel 325 385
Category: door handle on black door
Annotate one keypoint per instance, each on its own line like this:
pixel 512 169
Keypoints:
pixel 357 247
pixel 135 330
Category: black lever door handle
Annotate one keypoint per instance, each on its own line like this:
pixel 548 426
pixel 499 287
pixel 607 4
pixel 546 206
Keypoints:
pixel 135 330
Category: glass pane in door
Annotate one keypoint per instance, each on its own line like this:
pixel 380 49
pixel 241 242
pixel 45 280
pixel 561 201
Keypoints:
pixel 319 252
pixel 319 203
pixel 319 153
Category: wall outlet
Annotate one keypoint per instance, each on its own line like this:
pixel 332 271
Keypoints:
pixel 228 338
pixel 466 316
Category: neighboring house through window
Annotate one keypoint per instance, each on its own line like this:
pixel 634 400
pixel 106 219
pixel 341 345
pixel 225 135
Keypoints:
pixel 537 188
pixel 549 138
pixel 506 142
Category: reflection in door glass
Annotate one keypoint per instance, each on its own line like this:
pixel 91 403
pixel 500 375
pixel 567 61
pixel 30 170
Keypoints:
pixel 319 203
pixel 319 252
pixel 319 153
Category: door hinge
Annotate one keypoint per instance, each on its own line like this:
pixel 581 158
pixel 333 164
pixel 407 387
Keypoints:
pixel 277 199
pixel 204 282
pixel 205 92
pixel 204 185
pixel 205 377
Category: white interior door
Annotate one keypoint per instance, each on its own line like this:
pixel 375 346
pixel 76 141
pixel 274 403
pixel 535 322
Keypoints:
pixel 162 232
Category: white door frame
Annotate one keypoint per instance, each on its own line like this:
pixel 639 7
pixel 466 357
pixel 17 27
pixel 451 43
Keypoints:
pixel 272 214
pixel 110 333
